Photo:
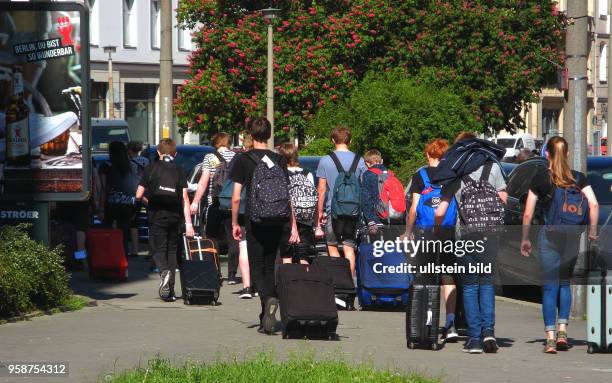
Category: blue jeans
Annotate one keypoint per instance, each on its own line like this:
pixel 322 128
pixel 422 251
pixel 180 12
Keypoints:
pixel 557 255
pixel 478 290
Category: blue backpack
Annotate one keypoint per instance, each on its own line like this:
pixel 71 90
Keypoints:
pixel 568 211
pixel 430 199
pixel 225 197
pixel 346 194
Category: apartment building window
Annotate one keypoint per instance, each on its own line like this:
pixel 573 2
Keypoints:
pixel 550 122
pixel 155 23
pixel 97 106
pixel 603 63
pixel 130 24
pixel 603 7
pixel 94 23
pixel 185 42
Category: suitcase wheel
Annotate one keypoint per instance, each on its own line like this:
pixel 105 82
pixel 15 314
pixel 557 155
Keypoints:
pixel 334 336
pixel 285 335
pixel 435 346
pixel 591 349
pixel 411 345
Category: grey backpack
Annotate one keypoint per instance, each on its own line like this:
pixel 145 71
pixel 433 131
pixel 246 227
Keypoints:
pixel 221 175
pixel 269 194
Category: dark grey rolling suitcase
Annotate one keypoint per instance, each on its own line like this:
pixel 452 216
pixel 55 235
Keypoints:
pixel 344 286
pixel 307 305
pixel 199 271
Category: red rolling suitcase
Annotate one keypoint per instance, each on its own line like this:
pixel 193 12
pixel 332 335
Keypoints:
pixel 106 256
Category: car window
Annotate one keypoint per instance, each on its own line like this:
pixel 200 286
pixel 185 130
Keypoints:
pixel 601 182
pixel 506 142
pixel 102 136
pixel 521 177
pixel 519 144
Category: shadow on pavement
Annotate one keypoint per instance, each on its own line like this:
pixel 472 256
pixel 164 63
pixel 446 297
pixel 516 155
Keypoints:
pixel 138 270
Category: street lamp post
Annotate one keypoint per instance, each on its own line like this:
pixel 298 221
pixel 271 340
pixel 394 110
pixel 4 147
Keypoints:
pixel 111 91
pixel 269 14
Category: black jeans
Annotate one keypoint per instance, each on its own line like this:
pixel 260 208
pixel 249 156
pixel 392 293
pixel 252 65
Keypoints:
pixel 164 237
pixel 262 244
pixel 233 247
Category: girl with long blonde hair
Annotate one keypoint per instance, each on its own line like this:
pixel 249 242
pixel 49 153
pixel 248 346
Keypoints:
pixel 557 249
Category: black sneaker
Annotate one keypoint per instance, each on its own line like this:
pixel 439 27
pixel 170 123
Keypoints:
pixel 164 287
pixel 246 293
pixel 473 346
pixel 489 343
pixel 269 318
pixel 231 279
pixel 171 298
pixel 449 334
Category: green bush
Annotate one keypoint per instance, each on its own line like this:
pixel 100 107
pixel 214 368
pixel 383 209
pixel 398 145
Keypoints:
pixel 32 276
pixel 264 368
pixel 317 147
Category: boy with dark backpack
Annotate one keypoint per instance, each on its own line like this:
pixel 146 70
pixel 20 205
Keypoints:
pixel 382 194
pixel 339 188
pixel 481 196
pixel 304 201
pixel 165 185
pixel 268 213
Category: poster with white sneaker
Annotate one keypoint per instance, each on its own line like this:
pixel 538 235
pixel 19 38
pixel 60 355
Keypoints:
pixel 42 72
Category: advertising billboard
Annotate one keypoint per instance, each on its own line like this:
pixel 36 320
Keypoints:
pixel 44 88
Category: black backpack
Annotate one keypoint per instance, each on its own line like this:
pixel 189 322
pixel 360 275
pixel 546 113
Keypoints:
pixel 165 188
pixel 269 193
pixel 480 209
pixel 222 172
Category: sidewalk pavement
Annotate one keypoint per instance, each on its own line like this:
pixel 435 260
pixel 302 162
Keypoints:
pixel 131 325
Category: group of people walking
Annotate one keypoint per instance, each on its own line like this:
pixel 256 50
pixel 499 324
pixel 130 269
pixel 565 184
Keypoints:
pixel 270 207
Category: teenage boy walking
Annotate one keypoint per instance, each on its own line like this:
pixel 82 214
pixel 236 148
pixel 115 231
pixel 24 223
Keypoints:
pixel 338 229
pixel 263 235
pixel 480 196
pixel 165 185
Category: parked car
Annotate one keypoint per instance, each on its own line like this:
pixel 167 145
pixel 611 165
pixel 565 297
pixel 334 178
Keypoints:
pixel 514 143
pixel 514 269
pixel 104 131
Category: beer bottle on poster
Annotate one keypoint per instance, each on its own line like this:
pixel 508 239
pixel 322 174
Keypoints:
pixel 17 125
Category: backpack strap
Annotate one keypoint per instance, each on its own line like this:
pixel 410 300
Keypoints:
pixel 486 172
pixel 425 178
pixel 253 157
pixel 354 165
pixel 334 158
pixel 219 156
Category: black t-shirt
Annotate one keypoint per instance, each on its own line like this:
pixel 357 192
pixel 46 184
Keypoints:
pixel 116 181
pixel 417 184
pixel 149 181
pixel 244 166
pixel 542 185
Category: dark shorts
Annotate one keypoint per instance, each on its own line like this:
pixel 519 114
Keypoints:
pixel 341 231
pixel 304 250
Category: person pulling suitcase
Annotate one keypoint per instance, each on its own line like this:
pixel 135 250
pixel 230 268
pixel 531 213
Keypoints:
pixel 165 185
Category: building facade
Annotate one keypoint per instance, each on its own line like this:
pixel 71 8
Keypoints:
pixel 545 118
pixel 132 27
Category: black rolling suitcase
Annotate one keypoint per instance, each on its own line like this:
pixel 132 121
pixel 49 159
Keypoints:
pixel 423 316
pixel 344 286
pixel 307 305
pixel 199 271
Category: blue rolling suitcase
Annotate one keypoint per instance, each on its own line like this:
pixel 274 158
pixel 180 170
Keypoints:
pixel 378 289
